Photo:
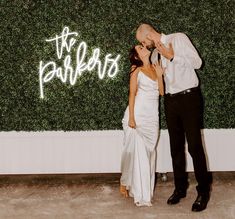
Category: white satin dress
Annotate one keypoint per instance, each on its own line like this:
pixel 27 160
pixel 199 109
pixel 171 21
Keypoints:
pixel 139 152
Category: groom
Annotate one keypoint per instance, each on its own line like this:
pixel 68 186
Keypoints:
pixel 182 109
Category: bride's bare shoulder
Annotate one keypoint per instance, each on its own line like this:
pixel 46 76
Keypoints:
pixel 135 71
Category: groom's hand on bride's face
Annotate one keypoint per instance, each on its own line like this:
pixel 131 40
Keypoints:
pixel 163 50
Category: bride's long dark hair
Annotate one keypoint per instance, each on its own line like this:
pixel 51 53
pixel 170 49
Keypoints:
pixel 134 59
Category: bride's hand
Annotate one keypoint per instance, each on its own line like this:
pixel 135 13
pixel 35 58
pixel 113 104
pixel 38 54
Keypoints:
pixel 158 69
pixel 132 123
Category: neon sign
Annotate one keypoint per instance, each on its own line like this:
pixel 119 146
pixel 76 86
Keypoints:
pixel 66 41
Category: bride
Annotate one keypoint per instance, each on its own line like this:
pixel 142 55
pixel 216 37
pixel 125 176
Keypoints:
pixel 141 128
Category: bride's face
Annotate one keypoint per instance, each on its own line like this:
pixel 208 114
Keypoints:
pixel 142 51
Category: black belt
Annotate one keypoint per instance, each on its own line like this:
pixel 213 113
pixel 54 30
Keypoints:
pixel 183 92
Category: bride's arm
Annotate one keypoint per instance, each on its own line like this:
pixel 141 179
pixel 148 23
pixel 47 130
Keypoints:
pixel 159 72
pixel 160 85
pixel 132 94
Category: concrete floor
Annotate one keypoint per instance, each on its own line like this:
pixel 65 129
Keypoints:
pixel 97 196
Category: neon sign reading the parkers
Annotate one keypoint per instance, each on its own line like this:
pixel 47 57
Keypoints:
pixel 49 70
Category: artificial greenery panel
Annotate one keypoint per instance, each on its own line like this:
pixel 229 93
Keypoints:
pixel 92 103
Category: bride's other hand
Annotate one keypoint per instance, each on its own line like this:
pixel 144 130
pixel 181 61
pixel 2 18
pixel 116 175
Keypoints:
pixel 132 123
pixel 158 69
pixel 159 72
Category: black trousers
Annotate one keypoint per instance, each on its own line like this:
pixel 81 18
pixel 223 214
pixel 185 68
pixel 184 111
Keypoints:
pixel 184 118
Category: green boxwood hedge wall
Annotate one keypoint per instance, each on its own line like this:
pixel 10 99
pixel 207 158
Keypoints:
pixel 93 104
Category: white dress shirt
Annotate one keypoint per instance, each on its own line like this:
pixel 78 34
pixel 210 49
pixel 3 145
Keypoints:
pixel 180 74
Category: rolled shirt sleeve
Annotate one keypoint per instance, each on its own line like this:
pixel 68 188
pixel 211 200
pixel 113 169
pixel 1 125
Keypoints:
pixel 185 53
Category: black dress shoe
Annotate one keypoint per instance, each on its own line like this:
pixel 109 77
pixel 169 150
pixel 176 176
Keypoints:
pixel 200 202
pixel 175 197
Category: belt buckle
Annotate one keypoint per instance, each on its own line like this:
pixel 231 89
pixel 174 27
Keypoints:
pixel 185 91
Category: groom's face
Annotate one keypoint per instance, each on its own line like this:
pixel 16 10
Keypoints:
pixel 145 40
pixel 149 44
